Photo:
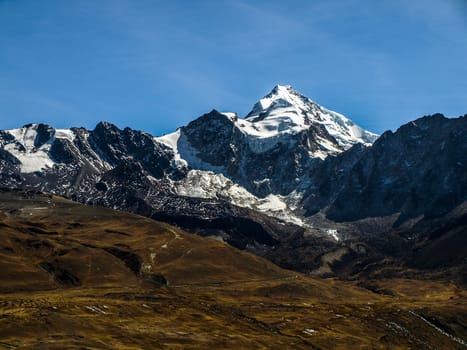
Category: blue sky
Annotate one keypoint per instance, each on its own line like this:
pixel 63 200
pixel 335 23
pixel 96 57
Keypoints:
pixel 156 65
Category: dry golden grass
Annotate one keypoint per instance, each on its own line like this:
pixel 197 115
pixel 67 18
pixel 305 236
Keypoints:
pixel 93 297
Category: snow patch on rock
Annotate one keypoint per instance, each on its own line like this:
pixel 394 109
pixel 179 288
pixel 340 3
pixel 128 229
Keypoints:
pixel 209 185
pixel 31 161
pixel 171 141
pixel 24 150
pixel 65 134
pixel 34 158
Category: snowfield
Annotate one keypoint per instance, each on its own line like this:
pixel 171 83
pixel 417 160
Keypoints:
pixel 34 159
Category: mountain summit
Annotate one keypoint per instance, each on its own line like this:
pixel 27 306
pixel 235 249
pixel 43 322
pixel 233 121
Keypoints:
pixel 272 150
pixel 284 110
pixel 284 118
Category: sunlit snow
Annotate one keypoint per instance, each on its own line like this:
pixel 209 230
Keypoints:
pixel 171 140
pixel 285 111
pixel 207 184
pixel 34 159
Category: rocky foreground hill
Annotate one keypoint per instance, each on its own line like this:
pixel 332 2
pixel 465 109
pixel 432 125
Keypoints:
pixel 81 277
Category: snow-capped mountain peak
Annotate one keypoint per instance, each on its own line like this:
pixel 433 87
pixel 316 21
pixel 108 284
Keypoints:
pixel 286 111
pixel 269 151
pixel 281 96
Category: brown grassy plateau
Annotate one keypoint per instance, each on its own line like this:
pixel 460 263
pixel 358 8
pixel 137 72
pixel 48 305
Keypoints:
pixel 77 277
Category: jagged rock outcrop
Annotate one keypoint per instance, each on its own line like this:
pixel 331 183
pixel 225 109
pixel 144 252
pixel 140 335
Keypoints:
pixel 418 171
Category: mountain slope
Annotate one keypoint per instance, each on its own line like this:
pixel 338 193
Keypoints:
pixel 418 171
pixel 55 242
pixel 285 110
pixel 78 277
pixel 284 136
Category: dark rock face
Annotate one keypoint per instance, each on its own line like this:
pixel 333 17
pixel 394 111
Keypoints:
pixel 214 136
pixel 420 170
pixel 219 142
pixel 119 147
pixel 44 133
pixel 239 227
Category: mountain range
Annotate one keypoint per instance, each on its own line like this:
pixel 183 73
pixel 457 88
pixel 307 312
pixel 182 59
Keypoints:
pixel 291 181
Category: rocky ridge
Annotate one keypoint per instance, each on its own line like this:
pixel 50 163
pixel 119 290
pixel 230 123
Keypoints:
pixel 278 182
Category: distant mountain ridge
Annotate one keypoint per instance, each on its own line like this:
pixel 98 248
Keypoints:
pixel 291 173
